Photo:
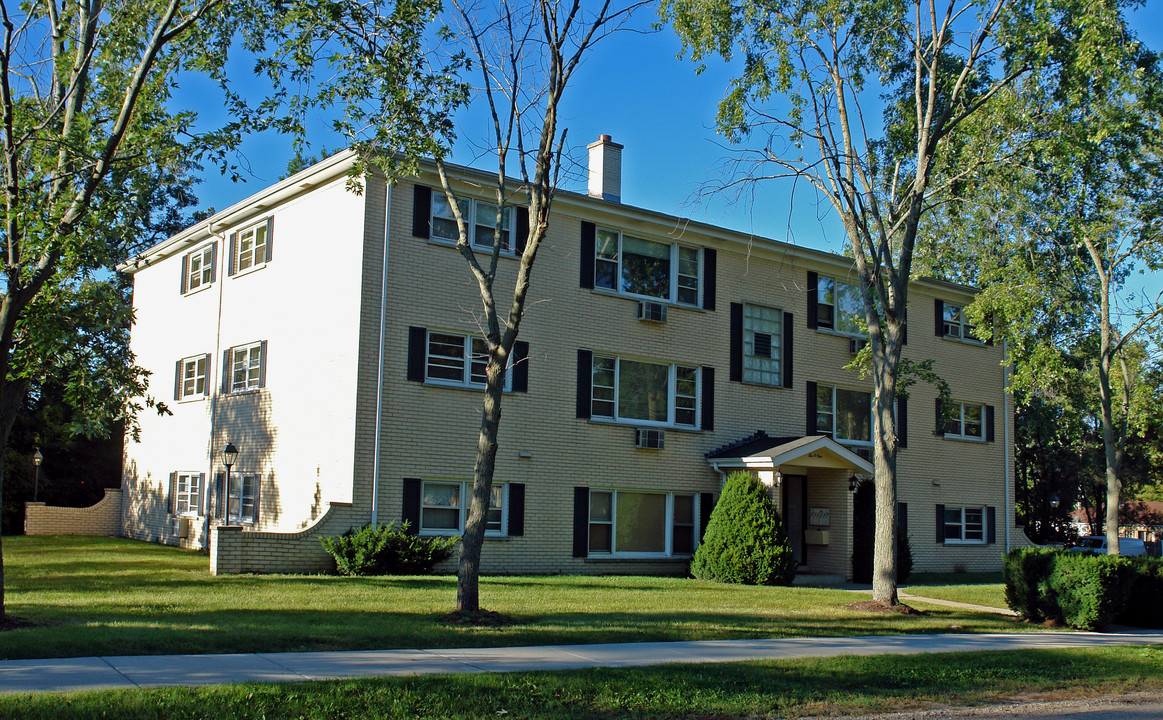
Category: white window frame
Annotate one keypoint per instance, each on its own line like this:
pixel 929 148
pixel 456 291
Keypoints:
pixel 958 415
pixel 612 522
pixel 203 277
pixel 242 478
pixel 188 488
pixel 189 370
pixel 831 324
pixel 676 284
pixel 470 357
pixel 833 411
pixel 957 325
pixel 464 488
pixel 470 211
pixel 252 234
pixel 760 369
pixel 963 525
pixel 252 380
pixel 692 403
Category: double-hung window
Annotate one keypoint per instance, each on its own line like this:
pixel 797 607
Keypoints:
pixel 245 368
pixel 187 493
pixel 444 508
pixel 251 247
pixel 458 360
pixel 641 392
pixel 839 307
pixel 964 524
pixel 956 323
pixel 646 268
pixel 964 420
pixel 481 218
pixel 198 268
pixel 641 524
pixel 846 415
pixel 242 497
pixel 192 380
pixel 762 345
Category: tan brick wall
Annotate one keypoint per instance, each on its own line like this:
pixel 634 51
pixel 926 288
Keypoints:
pixel 234 549
pixel 103 518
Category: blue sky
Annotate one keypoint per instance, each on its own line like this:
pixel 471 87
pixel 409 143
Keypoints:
pixel 634 88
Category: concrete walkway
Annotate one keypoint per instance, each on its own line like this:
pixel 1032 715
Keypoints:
pixel 100 673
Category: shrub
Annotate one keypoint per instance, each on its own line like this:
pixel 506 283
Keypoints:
pixel 1027 589
pixel 1145 604
pixel 387 550
pixel 1090 590
pixel 745 541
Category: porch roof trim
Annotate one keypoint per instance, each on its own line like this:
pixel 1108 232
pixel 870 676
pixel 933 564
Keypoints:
pixel 760 450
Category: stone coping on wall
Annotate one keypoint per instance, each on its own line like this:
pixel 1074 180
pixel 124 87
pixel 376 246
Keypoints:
pixel 235 550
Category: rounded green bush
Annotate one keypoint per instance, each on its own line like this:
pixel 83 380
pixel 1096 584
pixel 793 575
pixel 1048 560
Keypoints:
pixel 745 541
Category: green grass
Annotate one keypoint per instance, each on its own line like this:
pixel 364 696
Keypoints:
pixel 986 589
pixel 102 596
pixel 769 689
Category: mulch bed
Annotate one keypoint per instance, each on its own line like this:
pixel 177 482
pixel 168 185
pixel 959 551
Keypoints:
pixel 878 607
pixel 10 622
pixel 481 618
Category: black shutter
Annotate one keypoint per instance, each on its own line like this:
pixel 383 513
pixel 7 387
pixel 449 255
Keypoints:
pixel 589 233
pixel 581 521
pixel 787 349
pixel 585 371
pixel 902 421
pixel 411 507
pixel 226 372
pixel 905 332
pixel 257 497
pixel 707 400
pixel 522 230
pixel 812 427
pixel 209 388
pixel 940 421
pixel 710 262
pixel 516 509
pixel 178 380
pixel 706 505
pixel 214 261
pixel 417 352
pixel 262 364
pixel 219 495
pixel 270 253
pixel 736 354
pixel 185 271
pixel 989 423
pixel 940 524
pixel 421 211
pixel 520 366
pixel 939 322
pixel 201 493
pixel 813 299
pixel 902 519
pixel 233 252
pixel 170 506
pixel 990 526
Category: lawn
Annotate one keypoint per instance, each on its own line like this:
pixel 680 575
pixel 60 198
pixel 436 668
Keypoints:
pixel 986 589
pixel 768 689
pixel 102 596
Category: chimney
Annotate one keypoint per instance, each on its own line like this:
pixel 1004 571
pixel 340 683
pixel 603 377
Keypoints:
pixel 605 169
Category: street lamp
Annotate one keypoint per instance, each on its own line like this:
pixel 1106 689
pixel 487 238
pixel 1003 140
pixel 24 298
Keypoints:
pixel 229 455
pixel 1054 501
pixel 37 459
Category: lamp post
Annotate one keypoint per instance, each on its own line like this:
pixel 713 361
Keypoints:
pixel 37 459
pixel 229 455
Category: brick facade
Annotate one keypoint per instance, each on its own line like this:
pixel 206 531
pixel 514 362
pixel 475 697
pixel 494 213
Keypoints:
pixel 103 518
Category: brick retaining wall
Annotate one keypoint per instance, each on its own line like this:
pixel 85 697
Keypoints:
pixel 104 518
pixel 234 550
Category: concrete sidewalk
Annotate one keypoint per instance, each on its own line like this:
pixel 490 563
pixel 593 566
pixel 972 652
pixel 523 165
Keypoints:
pixel 101 673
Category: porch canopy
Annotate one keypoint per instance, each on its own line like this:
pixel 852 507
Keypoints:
pixel 761 452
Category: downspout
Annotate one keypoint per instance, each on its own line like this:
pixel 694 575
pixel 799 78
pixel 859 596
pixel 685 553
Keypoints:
pixel 1005 424
pixel 380 370
pixel 211 480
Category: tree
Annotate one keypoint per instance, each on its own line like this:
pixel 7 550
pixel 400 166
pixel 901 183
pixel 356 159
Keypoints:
pixel 821 56
pixel 745 540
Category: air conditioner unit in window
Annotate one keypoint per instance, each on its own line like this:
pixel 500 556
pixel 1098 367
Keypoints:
pixel 182 527
pixel 855 345
pixel 649 439
pixel 651 311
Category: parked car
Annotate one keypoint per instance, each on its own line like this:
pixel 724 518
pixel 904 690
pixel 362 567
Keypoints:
pixel 1097 544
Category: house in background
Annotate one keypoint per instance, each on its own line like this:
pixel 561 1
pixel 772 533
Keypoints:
pixel 331 337
pixel 1137 519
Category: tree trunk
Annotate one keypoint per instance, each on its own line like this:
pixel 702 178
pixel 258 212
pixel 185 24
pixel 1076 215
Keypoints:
pixel 11 398
pixel 884 560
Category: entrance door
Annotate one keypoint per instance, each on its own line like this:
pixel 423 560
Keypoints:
pixel 795 513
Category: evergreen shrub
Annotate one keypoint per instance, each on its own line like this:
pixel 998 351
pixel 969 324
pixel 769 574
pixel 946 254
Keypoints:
pixel 1091 590
pixel 1027 583
pixel 387 550
pixel 745 541
pixel 1145 604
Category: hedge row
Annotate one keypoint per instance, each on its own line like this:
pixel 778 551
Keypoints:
pixel 1083 590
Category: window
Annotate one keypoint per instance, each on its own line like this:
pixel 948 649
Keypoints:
pixel 198 268
pixel 839 307
pixel 644 392
pixel 250 247
pixel 964 524
pixel 956 323
pixel 187 493
pixel 444 508
pixel 458 360
pixel 762 345
pixel 192 379
pixel 846 415
pixel 246 367
pixel 964 420
pixel 641 524
pixel 481 218
pixel 646 268
pixel 242 497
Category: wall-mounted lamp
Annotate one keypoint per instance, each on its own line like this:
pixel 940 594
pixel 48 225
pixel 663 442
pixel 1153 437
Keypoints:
pixel 853 483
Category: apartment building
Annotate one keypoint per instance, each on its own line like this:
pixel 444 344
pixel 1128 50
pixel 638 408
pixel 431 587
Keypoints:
pixel 332 338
